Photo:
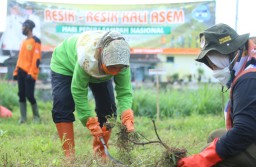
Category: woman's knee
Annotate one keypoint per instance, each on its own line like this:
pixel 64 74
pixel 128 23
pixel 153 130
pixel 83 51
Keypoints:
pixel 216 134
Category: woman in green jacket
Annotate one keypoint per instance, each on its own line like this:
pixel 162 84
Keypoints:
pixel 92 60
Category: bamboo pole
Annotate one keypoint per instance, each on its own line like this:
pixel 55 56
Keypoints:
pixel 157 98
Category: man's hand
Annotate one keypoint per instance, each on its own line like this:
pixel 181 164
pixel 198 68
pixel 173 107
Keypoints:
pixel 128 120
pixel 94 126
pixel 15 77
pixel 30 77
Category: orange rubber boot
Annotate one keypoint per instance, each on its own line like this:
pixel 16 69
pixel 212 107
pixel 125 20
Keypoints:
pixel 98 146
pixel 66 134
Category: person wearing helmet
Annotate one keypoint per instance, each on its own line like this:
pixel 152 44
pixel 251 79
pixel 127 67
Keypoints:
pixel 30 13
pixel 232 58
pixel 27 70
pixel 91 60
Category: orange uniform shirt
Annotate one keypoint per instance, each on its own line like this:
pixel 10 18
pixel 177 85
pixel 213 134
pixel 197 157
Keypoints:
pixel 29 57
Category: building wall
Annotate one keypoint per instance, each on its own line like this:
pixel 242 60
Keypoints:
pixel 183 65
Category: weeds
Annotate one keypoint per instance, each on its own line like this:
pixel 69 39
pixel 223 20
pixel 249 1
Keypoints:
pixel 31 145
pixel 127 141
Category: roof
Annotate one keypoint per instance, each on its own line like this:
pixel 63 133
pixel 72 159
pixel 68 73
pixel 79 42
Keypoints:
pixel 144 58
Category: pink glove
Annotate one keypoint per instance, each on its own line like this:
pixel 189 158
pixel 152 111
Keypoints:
pixel 94 126
pixel 128 120
pixel 208 157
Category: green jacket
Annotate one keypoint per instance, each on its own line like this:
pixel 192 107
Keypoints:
pixel 76 57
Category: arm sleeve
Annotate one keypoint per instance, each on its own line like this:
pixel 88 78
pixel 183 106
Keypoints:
pixel 34 69
pixel 123 89
pixel 243 132
pixel 79 89
pixel 15 71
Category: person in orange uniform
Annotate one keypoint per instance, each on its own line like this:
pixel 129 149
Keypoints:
pixel 27 70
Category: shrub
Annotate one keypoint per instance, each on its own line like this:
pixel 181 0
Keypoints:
pixel 8 94
pixel 207 99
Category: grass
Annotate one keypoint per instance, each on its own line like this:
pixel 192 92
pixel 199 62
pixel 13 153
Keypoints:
pixel 38 144
pixel 185 123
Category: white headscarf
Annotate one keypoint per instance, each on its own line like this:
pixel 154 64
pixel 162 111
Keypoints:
pixel 115 49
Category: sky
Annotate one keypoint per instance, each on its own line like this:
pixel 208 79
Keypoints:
pixel 225 11
pixel 246 18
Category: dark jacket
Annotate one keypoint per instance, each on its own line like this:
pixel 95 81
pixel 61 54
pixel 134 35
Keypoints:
pixel 243 114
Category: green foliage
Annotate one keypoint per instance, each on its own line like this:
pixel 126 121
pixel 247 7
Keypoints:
pixel 200 71
pixel 39 145
pixel 8 94
pixel 206 99
pixel 30 145
pixel 173 78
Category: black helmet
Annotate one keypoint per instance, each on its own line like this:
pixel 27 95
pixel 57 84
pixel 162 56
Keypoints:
pixel 29 23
